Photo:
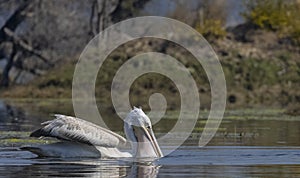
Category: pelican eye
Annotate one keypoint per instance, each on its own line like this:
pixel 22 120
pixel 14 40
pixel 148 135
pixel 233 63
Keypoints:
pixel 148 127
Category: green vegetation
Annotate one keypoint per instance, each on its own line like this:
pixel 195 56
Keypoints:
pixel 19 138
pixel 250 81
pixel 278 15
pixel 211 29
pixel 57 83
pixel 16 142
pixel 258 72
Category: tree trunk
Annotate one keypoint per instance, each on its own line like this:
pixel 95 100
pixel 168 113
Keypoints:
pixel 5 75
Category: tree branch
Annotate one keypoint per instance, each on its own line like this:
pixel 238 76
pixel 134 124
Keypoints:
pixel 15 19
pixel 26 47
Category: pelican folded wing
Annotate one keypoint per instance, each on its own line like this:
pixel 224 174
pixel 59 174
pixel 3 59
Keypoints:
pixel 78 130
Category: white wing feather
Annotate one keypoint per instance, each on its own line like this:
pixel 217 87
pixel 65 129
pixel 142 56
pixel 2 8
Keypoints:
pixel 78 130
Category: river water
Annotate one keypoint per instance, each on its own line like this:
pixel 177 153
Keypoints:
pixel 249 143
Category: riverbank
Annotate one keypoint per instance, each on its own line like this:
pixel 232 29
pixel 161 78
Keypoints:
pixel 261 69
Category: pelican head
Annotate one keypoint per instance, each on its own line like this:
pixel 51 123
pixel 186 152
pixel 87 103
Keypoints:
pixel 138 130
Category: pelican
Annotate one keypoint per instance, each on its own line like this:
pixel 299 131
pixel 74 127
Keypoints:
pixel 81 138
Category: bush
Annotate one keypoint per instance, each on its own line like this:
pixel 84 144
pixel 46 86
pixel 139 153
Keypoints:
pixel 211 29
pixel 212 16
pixel 276 15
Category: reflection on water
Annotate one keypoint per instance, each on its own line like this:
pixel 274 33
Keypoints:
pixel 256 143
pixel 211 161
pixel 76 168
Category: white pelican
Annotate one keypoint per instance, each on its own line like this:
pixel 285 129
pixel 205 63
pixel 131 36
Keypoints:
pixel 85 139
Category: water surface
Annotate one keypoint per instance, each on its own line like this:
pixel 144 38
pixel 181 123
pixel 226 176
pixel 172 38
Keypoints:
pixel 249 143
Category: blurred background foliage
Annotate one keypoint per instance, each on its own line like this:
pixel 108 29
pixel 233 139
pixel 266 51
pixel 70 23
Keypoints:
pixel 257 42
pixel 278 15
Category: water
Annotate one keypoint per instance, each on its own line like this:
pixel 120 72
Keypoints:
pixel 249 143
pixel 212 161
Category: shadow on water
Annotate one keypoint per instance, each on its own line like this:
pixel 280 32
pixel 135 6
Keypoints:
pixel 249 143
